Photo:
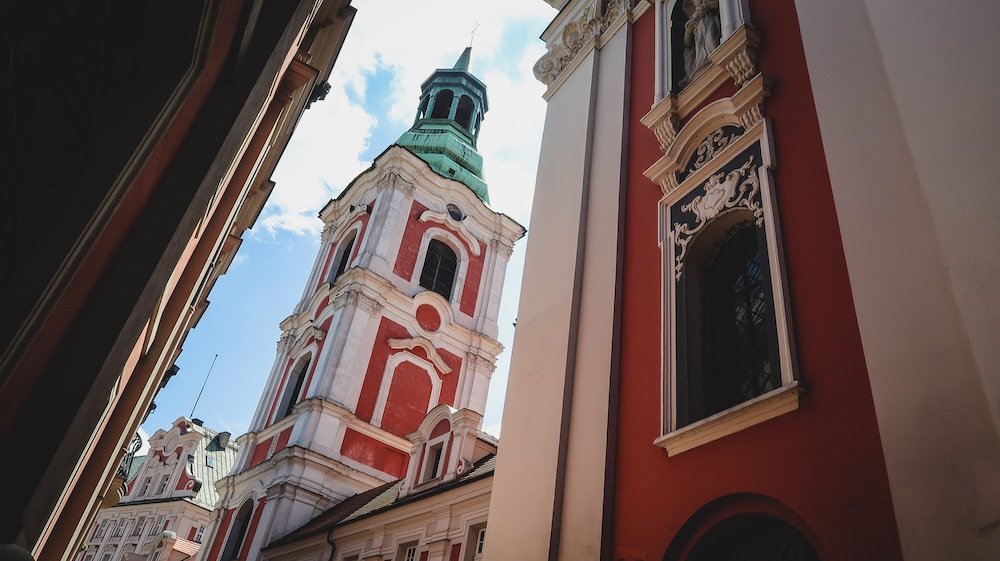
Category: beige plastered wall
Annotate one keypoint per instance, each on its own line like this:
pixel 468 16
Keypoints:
pixel 906 98
pixel 583 500
pixel 521 512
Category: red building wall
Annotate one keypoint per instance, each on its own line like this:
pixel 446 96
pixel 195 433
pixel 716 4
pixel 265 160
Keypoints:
pixel 409 249
pixel 821 467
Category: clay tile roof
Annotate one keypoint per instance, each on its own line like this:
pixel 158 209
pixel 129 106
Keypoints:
pixel 186 547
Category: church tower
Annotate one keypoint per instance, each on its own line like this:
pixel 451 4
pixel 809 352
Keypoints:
pixel 398 317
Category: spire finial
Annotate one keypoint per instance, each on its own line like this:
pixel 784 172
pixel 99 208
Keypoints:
pixel 472 36
pixel 462 63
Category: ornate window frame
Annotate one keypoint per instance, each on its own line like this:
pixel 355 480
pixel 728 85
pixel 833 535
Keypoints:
pixel 461 269
pixel 718 163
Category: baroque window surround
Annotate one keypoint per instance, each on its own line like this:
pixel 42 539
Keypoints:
pixel 456 245
pixel 724 153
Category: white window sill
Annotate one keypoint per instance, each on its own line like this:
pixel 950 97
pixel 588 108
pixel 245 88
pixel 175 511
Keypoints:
pixel 747 414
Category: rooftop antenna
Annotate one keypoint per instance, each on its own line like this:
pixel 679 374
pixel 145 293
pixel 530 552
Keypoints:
pixel 197 399
pixel 472 37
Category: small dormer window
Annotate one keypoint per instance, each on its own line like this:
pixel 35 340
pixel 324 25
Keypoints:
pixel 433 464
pixel 455 212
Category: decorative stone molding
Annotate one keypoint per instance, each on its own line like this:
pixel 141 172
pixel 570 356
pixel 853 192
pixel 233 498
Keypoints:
pixel 327 232
pixel 740 188
pixel 738 55
pixel 747 414
pixel 393 179
pixel 577 36
pixel 456 225
pixel 715 142
pixel 502 248
pixel 734 59
pixel 368 303
pixel 432 353
pixel 706 134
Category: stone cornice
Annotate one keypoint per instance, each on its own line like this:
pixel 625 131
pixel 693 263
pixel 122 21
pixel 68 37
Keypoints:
pixel 573 34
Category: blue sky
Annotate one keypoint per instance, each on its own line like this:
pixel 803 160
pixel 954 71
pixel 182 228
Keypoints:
pixel 391 48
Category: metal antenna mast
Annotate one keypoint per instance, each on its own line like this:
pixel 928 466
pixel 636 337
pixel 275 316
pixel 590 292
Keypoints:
pixel 197 399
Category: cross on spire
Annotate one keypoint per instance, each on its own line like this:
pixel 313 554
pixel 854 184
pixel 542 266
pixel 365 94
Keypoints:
pixel 472 36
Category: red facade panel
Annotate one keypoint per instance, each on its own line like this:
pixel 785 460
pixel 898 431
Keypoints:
pixel 283 439
pixel 371 452
pixel 260 452
pixel 406 260
pixel 819 468
pixel 220 535
pixel 381 352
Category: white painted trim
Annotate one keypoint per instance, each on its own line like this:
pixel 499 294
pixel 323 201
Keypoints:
pixel 388 375
pixel 427 346
pixel 440 234
pixel 723 111
pixel 422 478
pixel 445 219
pixel 339 251
pixel 739 417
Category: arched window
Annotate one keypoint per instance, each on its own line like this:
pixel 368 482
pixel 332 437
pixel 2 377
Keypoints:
pixel 731 350
pixel 439 269
pixel 464 112
pixel 292 388
pixel 241 522
pixel 442 104
pixel 343 256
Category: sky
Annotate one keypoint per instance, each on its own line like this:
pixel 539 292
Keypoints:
pixel 392 46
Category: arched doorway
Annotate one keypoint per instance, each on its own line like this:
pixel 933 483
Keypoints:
pixel 752 537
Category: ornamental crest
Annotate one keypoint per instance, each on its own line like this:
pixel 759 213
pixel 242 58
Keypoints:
pixel 736 189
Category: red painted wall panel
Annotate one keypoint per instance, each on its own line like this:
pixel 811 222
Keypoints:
pixel 371 452
pixel 406 404
pixel 220 536
pixel 440 428
pixel 283 439
pixel 822 463
pixel 406 259
pixel 381 352
pixel 456 552
pixel 260 452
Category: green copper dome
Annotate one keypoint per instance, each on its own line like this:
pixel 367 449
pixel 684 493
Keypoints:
pixel 445 131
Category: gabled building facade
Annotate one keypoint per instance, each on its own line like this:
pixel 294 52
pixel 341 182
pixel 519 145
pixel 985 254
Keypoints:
pixel 166 510
pixel 761 284
pixel 398 317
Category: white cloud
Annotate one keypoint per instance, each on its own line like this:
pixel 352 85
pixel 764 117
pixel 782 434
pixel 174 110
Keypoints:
pixel 321 159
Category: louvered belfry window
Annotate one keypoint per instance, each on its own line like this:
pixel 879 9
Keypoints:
pixel 438 273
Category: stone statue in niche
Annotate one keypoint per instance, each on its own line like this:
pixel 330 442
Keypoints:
pixel 702 35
